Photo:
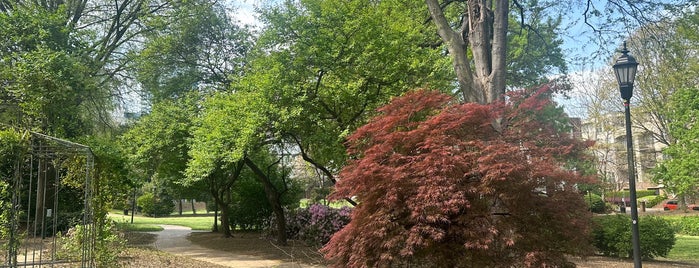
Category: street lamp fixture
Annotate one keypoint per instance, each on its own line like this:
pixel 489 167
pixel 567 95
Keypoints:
pixel 625 70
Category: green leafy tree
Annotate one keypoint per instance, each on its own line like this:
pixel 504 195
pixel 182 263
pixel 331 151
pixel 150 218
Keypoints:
pixel 666 65
pixel 534 49
pixel 679 172
pixel 159 142
pixel 42 74
pixel 673 67
pixel 111 170
pixel 231 134
pixel 64 63
pixel 326 66
pixel 197 47
pixel 157 147
pixel 155 204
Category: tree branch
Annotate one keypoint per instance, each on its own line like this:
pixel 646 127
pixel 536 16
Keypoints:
pixel 318 166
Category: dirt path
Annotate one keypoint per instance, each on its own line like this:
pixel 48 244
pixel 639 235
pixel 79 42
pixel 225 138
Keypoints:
pixel 249 251
pixel 173 239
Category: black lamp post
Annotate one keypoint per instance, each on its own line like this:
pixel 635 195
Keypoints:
pixel 625 70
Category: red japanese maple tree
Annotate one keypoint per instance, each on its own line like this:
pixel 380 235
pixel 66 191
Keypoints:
pixel 443 184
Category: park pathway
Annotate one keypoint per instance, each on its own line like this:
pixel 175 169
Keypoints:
pixel 173 239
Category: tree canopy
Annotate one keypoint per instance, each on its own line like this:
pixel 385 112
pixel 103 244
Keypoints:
pixel 675 92
pixel 325 66
pixel 435 179
pixel 679 172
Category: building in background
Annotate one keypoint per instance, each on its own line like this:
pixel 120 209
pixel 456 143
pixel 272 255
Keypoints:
pixel 609 134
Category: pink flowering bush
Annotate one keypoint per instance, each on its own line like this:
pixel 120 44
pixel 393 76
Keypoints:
pixel 316 223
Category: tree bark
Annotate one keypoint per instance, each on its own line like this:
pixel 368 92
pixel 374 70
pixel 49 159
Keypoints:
pixel 215 217
pixel 222 195
pixel 483 30
pixel 225 212
pixel 273 196
pixel 456 45
pixel 40 195
pixel 214 195
pixel 497 76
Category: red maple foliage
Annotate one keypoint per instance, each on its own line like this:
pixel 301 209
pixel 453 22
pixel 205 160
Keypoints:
pixel 442 184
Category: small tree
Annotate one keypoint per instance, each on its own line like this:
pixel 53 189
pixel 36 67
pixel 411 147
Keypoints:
pixel 153 205
pixel 487 183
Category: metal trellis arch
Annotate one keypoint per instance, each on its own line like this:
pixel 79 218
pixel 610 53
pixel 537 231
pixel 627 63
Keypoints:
pixel 51 197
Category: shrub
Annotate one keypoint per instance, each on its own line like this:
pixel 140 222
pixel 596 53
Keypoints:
pixel 685 225
pixel 316 223
pixel 158 206
pixel 249 207
pixel 652 201
pixel 107 245
pixel 595 203
pixel 612 236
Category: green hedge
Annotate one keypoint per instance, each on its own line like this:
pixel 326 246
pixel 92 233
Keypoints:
pixel 685 225
pixel 651 201
pixel 595 203
pixel 612 236
pixel 639 193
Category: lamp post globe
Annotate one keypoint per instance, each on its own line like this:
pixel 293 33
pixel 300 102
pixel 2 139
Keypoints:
pixel 625 70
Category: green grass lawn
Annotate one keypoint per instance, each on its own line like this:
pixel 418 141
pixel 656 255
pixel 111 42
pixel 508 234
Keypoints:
pixel 685 249
pixel 147 224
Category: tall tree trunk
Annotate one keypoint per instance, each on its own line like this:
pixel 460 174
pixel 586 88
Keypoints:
pixel 180 206
pixel 221 191
pixel 40 194
pixel 484 31
pixel 213 188
pixel 215 217
pixel 501 23
pixel 273 196
pixel 224 206
pixel 194 210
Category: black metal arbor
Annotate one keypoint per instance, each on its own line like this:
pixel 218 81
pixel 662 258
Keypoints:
pixel 49 195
